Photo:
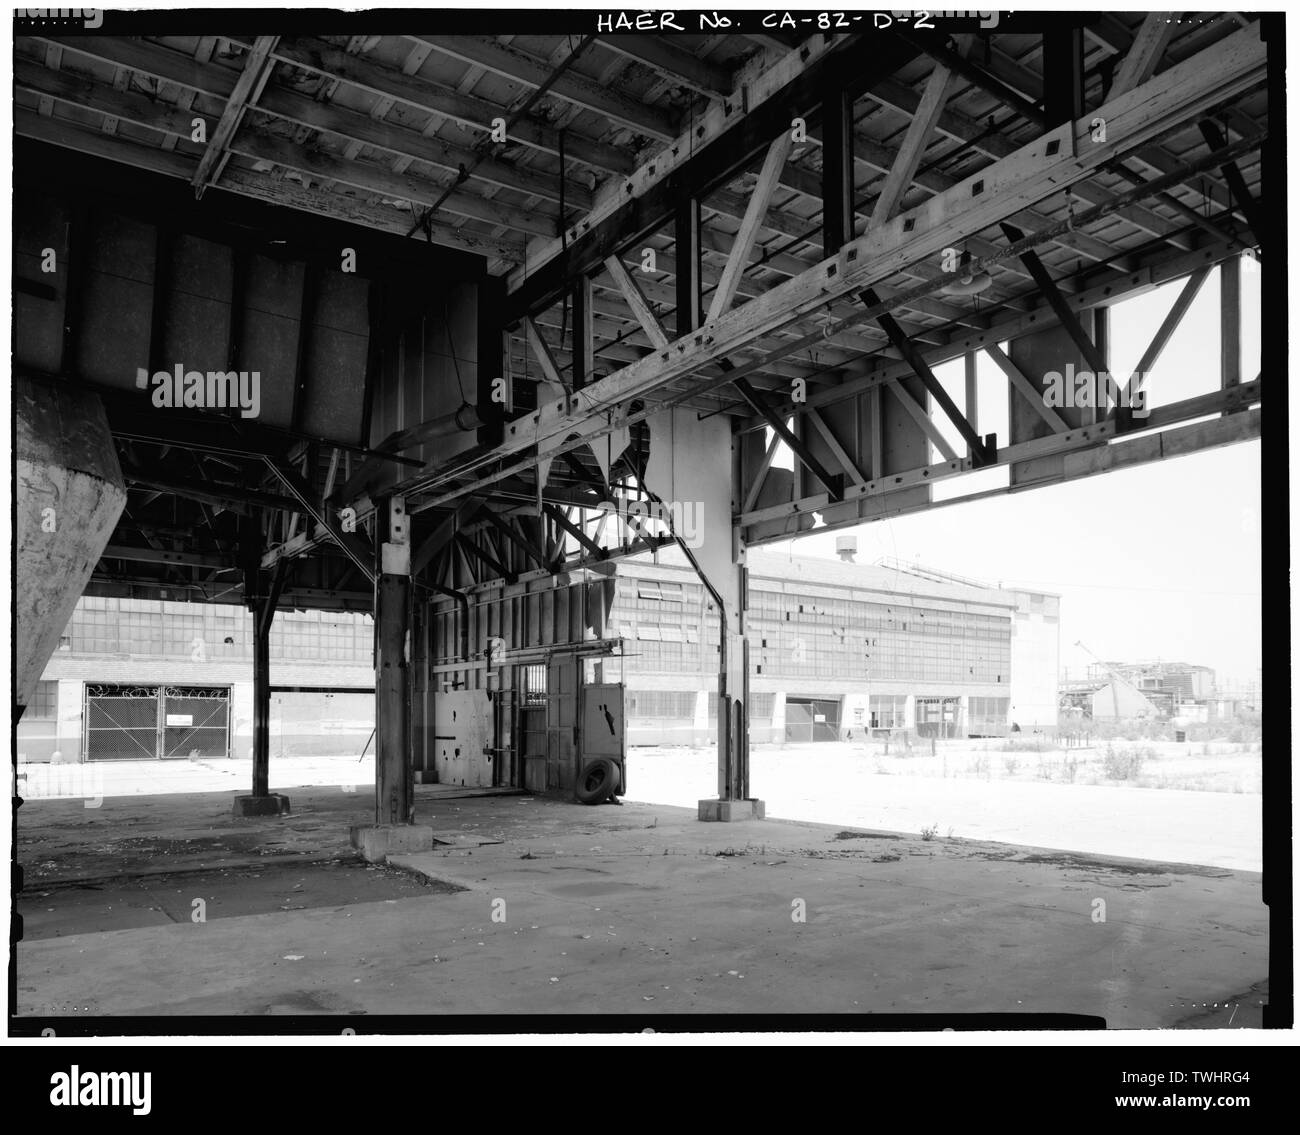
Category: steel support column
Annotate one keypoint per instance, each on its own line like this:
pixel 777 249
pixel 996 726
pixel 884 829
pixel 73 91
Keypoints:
pixel 1063 75
pixel 394 776
pixel 583 335
pixel 837 171
pixel 262 595
pixel 1230 324
pixel 261 706
pixel 686 229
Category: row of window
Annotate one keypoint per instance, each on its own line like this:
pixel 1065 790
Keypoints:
pixel 884 711
pixel 44 703
pixel 179 630
pixel 816 652
pixel 660 703
pixel 760 705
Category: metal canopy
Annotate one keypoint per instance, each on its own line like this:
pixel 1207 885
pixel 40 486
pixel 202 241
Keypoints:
pixel 655 242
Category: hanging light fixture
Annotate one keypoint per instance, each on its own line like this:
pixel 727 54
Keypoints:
pixel 965 282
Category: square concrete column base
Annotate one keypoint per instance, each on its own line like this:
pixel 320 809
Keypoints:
pixel 377 842
pixel 426 776
pixel 272 804
pixel 725 811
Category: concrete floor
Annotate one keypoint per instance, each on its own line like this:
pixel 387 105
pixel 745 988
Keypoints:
pixel 637 909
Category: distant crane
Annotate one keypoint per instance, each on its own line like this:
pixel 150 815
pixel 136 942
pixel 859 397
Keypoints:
pixel 1115 678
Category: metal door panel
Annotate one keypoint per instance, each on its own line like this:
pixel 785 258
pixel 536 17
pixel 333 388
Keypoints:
pixel 121 723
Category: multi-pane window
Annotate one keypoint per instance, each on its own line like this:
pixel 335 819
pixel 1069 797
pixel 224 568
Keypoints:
pixel 659 621
pixel 987 715
pixel 533 681
pixel 760 706
pixel 206 632
pixel 44 704
pixel 184 634
pixel 660 703
pixel 888 711
pixel 808 636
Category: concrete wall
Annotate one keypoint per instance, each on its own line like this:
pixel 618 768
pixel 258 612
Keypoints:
pixel 1035 661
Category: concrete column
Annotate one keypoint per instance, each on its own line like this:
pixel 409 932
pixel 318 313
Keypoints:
pixel 700 722
pixel 693 470
pixel 68 494
pixel 68 727
pixel 394 829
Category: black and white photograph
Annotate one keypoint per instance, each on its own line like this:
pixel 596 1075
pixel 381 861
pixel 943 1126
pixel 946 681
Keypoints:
pixel 627 527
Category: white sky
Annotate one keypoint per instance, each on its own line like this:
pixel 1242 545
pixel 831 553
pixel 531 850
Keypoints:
pixel 1156 561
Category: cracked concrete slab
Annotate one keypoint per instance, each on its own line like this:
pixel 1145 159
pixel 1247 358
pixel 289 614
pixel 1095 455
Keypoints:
pixel 642 909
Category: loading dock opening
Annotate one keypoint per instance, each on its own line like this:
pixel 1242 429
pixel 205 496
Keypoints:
pixel 812 719
pixel 160 722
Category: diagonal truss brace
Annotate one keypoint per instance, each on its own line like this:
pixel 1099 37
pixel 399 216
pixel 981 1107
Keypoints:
pixel 983 450
pixel 1236 183
pixel 353 546
pixel 834 482
pixel 1066 316
pixel 1163 334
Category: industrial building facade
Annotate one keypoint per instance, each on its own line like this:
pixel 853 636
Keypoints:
pixel 135 679
pixel 837 651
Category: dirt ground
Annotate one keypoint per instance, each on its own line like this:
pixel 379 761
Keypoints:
pixel 968 792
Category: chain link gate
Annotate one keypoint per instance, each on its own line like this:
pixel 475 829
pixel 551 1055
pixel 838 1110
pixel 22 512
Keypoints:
pixel 121 722
pixel 132 723
pixel 196 722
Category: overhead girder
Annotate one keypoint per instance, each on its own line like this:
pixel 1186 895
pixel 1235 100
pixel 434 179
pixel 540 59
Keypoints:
pixel 677 176
pixel 1060 158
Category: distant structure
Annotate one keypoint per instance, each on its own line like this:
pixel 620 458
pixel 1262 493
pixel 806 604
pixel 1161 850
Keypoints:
pixel 846 547
pixel 1153 690
pixel 838 650
pixel 138 679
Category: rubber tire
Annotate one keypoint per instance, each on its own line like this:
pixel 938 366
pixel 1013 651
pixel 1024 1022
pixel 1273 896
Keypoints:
pixel 593 789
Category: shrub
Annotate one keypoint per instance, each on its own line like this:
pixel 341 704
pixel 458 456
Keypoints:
pixel 1121 764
